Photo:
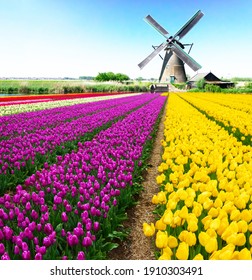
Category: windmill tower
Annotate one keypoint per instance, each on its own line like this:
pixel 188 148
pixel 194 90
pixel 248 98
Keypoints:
pixel 173 69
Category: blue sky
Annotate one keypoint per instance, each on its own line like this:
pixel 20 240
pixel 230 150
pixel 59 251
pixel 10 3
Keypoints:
pixel 59 38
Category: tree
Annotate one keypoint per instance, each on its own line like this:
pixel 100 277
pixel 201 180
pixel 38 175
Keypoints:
pixel 201 83
pixel 110 76
pixel 121 77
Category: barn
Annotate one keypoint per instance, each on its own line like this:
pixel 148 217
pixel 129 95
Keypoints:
pixel 209 78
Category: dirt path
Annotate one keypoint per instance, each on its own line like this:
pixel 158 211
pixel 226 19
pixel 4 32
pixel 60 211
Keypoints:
pixel 137 246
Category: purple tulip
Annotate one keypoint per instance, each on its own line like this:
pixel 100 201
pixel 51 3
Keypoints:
pixel 26 255
pixel 8 232
pixel 96 226
pixel 16 250
pixel 42 250
pixel 46 242
pixel 2 249
pixel 5 256
pixel 64 217
pixel 81 256
pixel 38 256
pixel 72 240
pixel 48 228
pixel 87 241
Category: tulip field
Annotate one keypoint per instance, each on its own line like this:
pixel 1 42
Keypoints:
pixel 71 167
pixel 67 174
pixel 204 205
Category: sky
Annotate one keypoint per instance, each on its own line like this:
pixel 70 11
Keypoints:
pixel 72 38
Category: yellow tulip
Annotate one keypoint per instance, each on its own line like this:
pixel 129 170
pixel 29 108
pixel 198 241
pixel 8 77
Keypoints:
pixel 165 256
pixel 225 255
pixel 191 239
pixel 215 255
pixel 172 241
pixel 171 204
pixel 182 194
pixel 211 232
pixel 168 217
pixel 218 203
pixel 246 215
pixel 161 197
pixel 192 225
pixel 160 225
pixel 206 221
pixel 244 254
pixel 167 250
pixel 183 212
pixel 189 202
pixel 232 228
pixel 198 257
pixel 160 179
pixel 213 212
pixel 197 209
pixel 235 255
pixel 231 239
pixel 215 223
pixel 226 252
pixel 148 230
pixel 203 238
pixel 242 226
pixel 161 239
pixel 223 225
pixel 240 203
pixel 208 203
pixel 182 235
pixel 169 187
pixel 211 245
pixel 235 215
pixel 182 252
pixel 222 214
pixel 240 239
pixel 154 199
pixel 177 221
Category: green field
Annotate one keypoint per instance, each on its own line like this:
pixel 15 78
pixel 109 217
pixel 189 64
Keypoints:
pixel 68 86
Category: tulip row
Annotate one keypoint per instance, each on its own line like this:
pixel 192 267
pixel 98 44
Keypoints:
pixel 224 108
pixel 70 209
pixel 61 129
pixel 16 107
pixel 26 122
pixel 204 204
pixel 241 102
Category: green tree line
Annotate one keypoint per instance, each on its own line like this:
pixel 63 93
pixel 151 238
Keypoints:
pixel 110 76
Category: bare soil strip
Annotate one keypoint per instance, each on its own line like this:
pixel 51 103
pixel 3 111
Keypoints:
pixel 137 246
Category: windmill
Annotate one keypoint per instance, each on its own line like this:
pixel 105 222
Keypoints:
pixel 175 56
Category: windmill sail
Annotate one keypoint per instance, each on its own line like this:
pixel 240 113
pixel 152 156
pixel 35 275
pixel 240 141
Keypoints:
pixel 156 25
pixel 185 57
pixel 152 55
pixel 168 55
pixel 189 25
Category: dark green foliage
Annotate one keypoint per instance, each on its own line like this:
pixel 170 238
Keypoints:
pixel 201 84
pixel 212 88
pixel 110 76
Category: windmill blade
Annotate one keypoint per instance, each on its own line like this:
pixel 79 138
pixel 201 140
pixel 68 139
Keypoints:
pixel 168 55
pixel 185 57
pixel 189 25
pixel 156 25
pixel 152 55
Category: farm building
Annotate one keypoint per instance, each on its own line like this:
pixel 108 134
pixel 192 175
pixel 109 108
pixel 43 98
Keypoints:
pixel 209 78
